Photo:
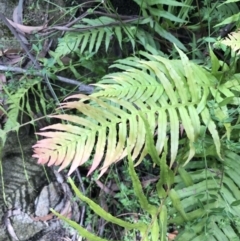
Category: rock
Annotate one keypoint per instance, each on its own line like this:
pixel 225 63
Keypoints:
pixel 53 235
pixel 49 197
pixel 22 176
pixel 59 197
pixel 22 227
pixel 25 227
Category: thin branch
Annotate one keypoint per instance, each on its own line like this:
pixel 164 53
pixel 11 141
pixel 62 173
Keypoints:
pixel 82 29
pixel 87 89
pixel 83 190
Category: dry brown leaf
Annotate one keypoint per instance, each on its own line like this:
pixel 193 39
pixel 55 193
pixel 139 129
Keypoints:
pixel 44 218
pixel 172 236
pixel 17 15
pixel 10 52
pixel 105 188
pixel 13 56
pixel 17 18
pixel 25 28
pixel 67 210
pixel 15 60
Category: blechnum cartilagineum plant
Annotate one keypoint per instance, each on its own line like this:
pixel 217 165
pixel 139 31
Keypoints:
pixel 174 109
pixel 185 116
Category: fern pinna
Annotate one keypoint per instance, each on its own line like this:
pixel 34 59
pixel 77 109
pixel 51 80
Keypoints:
pixel 170 94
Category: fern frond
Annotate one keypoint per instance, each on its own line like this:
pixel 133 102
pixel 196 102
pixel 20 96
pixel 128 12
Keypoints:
pixel 207 199
pixel 19 100
pixel 165 92
pixel 232 40
pixel 94 33
pixel 158 13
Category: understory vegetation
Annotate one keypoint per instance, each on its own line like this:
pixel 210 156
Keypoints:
pixel 155 133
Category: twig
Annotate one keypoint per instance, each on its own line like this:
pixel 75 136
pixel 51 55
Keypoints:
pixel 7 223
pixel 117 16
pixel 87 89
pixel 77 19
pixel 122 17
pixel 83 209
pixel 66 28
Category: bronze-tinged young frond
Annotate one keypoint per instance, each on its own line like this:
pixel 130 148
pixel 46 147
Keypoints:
pixel 75 142
pixel 169 93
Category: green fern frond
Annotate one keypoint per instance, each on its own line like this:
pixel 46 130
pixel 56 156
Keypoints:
pixel 232 19
pixel 19 100
pixel 105 215
pixel 92 37
pixel 145 205
pixel 210 201
pixel 94 33
pixel 168 93
pixel 172 15
pixel 232 40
